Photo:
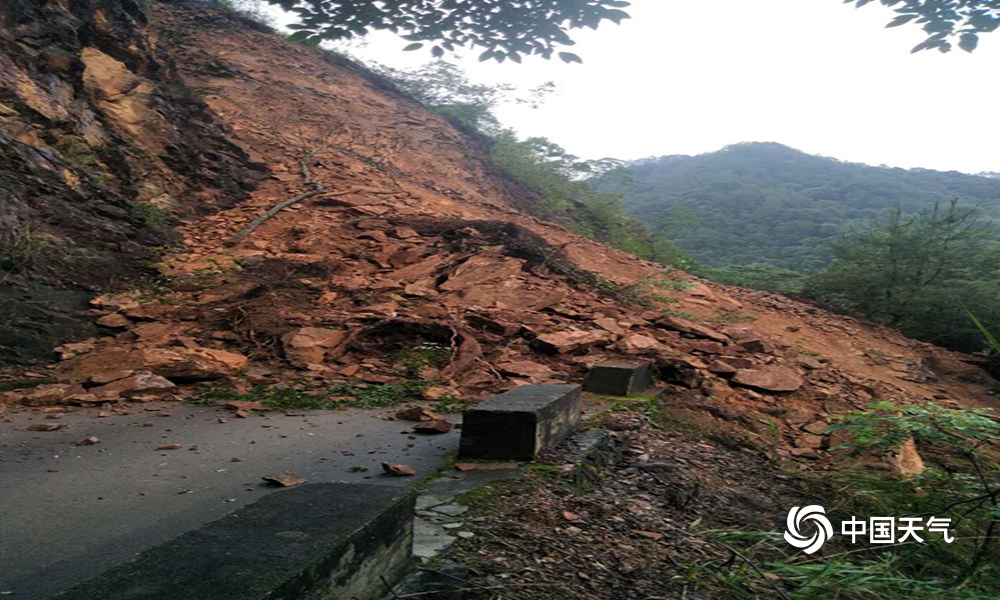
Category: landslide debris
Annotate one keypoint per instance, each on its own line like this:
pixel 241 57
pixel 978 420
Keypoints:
pixel 412 263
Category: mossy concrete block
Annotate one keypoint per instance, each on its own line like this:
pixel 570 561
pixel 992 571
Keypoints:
pixel 619 378
pixel 326 541
pixel 519 424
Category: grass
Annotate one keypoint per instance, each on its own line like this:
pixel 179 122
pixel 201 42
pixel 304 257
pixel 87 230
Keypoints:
pixel 428 480
pixel 156 219
pixel 453 404
pixel 645 403
pixel 332 397
pixel 485 494
pixel 965 569
pixel 676 284
pixel 680 314
pixel 21 246
pixel 411 361
pixel 732 318
pixel 804 351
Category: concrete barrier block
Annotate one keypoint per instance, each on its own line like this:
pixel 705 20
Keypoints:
pixel 619 378
pixel 519 424
pixel 326 541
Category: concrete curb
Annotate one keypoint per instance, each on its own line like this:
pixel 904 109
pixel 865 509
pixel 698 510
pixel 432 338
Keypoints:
pixel 326 541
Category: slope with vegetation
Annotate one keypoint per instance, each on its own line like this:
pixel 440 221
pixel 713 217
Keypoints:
pixel 767 203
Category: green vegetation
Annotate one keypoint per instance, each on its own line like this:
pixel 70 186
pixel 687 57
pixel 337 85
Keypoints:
pixel 968 493
pixel 991 340
pixel 555 177
pixel 757 276
pixel 452 404
pixel 945 20
pixel 307 397
pixel 21 246
pixel 921 273
pixel 155 218
pixel 429 355
pixel 444 89
pixel 898 247
pixel 764 203
pixel 646 404
pixel 508 29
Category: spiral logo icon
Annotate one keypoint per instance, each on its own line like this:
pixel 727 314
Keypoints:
pixel 817 516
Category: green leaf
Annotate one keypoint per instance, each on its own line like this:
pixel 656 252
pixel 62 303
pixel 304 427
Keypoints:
pixel 569 57
pixel 968 42
pixel 413 46
pixel 901 20
pixel 990 338
pixel 617 16
pixel 486 56
pixel 299 36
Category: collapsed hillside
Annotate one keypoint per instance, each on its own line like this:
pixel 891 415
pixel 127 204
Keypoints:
pixel 401 252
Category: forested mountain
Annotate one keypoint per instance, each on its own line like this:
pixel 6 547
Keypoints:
pixel 768 203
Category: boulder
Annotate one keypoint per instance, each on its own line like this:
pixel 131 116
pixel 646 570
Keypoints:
pixel 155 333
pixel 43 395
pixel 193 364
pixel 691 328
pixel 534 372
pixel 438 426
pixel 142 383
pixel 109 376
pixel 756 345
pixel 67 351
pixel 610 325
pixel 809 362
pixel 480 269
pixel 308 345
pixel 178 364
pixel 639 344
pixel 772 378
pixel 114 321
pixel 809 440
pixel 723 368
pixel 706 347
pixel 418 413
pixel 905 459
pixel 679 371
pixel 562 342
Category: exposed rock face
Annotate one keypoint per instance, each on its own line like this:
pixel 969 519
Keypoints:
pixel 96 151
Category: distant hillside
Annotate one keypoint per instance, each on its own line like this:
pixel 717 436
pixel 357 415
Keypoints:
pixel 768 203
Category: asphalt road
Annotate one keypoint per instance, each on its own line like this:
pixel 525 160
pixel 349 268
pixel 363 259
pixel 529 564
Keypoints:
pixel 68 512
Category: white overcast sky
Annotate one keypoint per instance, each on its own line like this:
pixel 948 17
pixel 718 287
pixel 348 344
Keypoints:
pixel 687 77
